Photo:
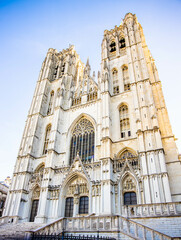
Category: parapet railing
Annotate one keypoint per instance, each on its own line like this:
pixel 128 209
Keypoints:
pixel 152 210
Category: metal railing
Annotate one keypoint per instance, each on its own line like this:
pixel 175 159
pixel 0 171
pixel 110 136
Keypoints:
pixel 63 236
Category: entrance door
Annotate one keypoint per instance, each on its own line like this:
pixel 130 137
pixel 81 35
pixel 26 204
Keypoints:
pixel 69 207
pixel 34 210
pixel 130 198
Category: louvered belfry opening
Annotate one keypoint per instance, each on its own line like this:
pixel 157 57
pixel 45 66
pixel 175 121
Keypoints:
pixel 82 141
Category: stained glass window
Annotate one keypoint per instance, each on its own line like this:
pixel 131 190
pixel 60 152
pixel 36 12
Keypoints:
pixel 82 141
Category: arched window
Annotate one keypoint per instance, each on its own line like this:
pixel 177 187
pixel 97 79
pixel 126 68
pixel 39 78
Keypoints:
pixel 69 207
pixel 82 141
pixel 119 162
pixel 115 81
pixel 50 103
pixel 124 121
pixel 112 46
pixel 115 75
pixel 126 78
pixel 122 43
pixel 83 205
pixel 47 139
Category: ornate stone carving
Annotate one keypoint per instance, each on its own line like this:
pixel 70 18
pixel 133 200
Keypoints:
pixel 54 194
pixel 77 187
pixel 129 185
pixel 36 177
pixel 96 190
pixel 36 193
pixel 126 156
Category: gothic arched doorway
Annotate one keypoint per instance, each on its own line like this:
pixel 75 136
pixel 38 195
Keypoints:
pixel 35 203
pixel 69 207
pixel 129 190
pixel 76 197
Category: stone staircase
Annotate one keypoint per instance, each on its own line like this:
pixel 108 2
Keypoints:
pixel 121 228
pixel 113 226
pixel 16 231
pixel 170 226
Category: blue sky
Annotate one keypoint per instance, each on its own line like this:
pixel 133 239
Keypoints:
pixel 29 28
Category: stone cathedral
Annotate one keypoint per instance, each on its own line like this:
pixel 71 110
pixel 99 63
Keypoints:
pixel 97 146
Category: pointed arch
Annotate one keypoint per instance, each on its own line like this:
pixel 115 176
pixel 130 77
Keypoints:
pixel 126 157
pixel 112 46
pixel 83 140
pixel 115 81
pixel 126 80
pixel 126 149
pixel 35 202
pixel 74 191
pixel 129 189
pixel 124 120
pixel 47 138
pixel 36 191
pixel 40 167
pixel 70 178
pixel 82 115
pixel 122 42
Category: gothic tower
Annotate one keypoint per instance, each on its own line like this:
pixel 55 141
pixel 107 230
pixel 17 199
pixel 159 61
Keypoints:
pixel 96 146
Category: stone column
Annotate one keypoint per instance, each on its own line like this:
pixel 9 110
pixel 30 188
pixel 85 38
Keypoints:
pixel 41 215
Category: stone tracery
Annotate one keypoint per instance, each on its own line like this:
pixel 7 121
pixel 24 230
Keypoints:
pixel 82 141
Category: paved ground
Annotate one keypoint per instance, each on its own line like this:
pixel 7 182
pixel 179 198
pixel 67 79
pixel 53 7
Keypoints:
pixel 16 231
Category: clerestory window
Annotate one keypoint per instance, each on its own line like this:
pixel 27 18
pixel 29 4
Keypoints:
pixel 82 141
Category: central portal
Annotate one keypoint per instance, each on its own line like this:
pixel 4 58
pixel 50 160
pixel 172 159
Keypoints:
pixel 76 197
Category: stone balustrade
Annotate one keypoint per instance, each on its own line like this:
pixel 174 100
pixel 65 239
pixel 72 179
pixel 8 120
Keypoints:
pixel 103 225
pixel 151 210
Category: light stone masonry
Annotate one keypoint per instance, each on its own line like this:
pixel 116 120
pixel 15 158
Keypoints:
pixel 93 147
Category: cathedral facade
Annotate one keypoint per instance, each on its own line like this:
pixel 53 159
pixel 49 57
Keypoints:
pixel 95 146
